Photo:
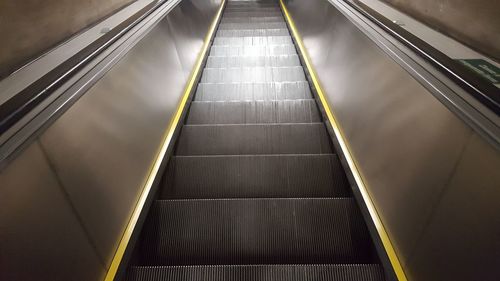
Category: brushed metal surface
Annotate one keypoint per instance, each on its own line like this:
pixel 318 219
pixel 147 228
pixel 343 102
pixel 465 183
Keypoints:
pixel 406 144
pixel 101 149
pixel 104 145
pixel 40 235
pixel 463 235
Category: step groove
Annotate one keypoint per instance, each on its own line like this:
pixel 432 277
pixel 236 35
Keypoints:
pixel 252 91
pixel 277 231
pixel 264 176
pixel 253 112
pixel 351 272
pixel 253 139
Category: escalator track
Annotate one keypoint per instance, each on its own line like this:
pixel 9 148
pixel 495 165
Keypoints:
pixel 255 189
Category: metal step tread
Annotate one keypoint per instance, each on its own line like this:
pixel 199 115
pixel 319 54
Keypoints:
pixel 262 50
pixel 252 91
pixel 252 25
pixel 254 176
pixel 252 32
pixel 233 9
pixel 253 112
pixel 253 74
pixel 277 18
pixel 324 272
pixel 249 139
pixel 255 231
pixel 253 40
pixel 252 61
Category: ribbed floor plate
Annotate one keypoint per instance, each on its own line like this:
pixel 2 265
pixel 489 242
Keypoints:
pixel 352 272
pixel 256 231
pixel 271 176
pixel 254 139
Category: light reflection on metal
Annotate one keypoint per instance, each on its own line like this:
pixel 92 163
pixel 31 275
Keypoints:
pixel 389 248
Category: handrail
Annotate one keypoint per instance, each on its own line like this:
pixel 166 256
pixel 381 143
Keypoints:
pixel 26 100
pixel 477 86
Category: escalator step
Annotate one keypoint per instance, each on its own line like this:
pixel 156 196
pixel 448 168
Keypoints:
pixel 271 176
pixel 253 25
pixel 254 112
pixel 253 32
pixel 252 61
pixel 271 50
pixel 354 272
pixel 235 9
pixel 242 14
pixel 254 231
pixel 251 19
pixel 253 75
pixel 253 139
pixel 252 91
pixel 253 41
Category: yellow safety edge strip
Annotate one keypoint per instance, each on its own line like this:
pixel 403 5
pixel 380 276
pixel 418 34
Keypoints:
pixel 163 150
pixel 393 258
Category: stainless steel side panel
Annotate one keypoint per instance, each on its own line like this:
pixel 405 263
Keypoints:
pixel 67 198
pixel 434 180
pixel 40 234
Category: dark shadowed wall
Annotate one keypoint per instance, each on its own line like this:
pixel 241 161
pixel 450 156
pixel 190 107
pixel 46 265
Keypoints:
pixel 28 28
pixel 475 23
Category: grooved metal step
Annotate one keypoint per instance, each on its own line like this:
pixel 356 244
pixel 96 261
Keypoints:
pixel 252 91
pixel 271 50
pixel 251 19
pixel 327 272
pixel 252 32
pixel 254 176
pixel 253 139
pixel 252 9
pixel 252 61
pixel 252 25
pixel 253 74
pixel 253 112
pixel 253 41
pixel 257 231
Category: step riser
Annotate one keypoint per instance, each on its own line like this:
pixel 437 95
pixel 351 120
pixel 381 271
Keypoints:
pixel 259 273
pixel 251 19
pixel 252 32
pixel 271 50
pixel 255 177
pixel 257 112
pixel 254 139
pixel 253 61
pixel 252 91
pixel 253 41
pixel 287 231
pixel 253 75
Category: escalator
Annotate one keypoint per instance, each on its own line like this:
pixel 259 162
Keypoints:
pixel 254 189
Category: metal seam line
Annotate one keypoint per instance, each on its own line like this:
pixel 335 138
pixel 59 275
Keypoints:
pixel 120 251
pixel 386 242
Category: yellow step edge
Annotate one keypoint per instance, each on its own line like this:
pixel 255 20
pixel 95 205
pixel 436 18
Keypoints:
pixel 386 242
pixel 167 138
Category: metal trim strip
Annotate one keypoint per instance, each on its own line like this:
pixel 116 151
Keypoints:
pixel 384 237
pixel 129 230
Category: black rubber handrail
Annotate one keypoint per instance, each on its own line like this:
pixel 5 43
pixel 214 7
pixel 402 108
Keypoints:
pixel 477 86
pixel 26 100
